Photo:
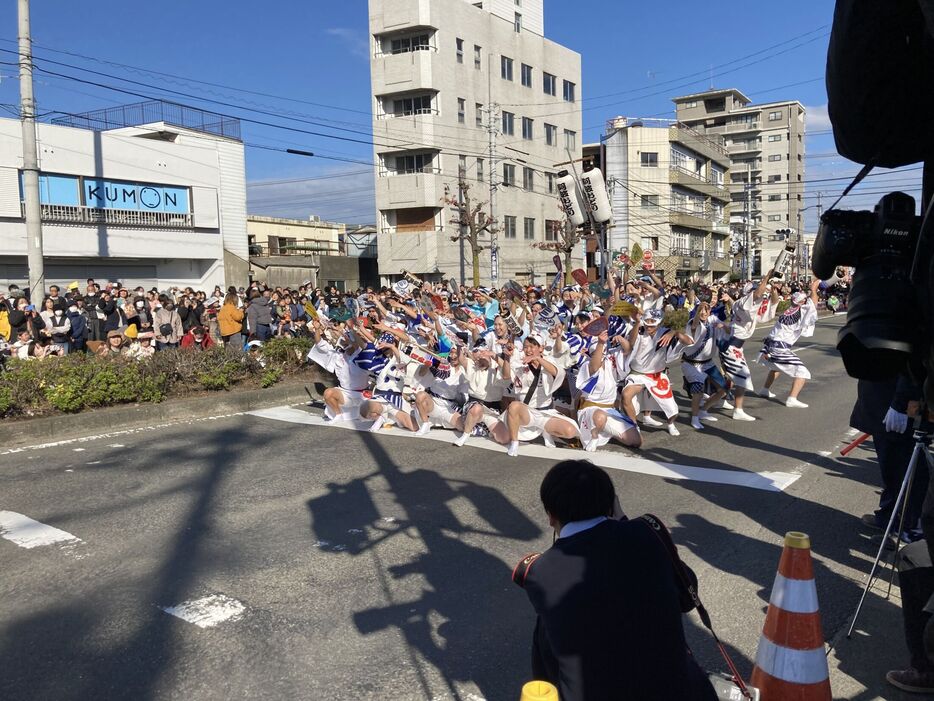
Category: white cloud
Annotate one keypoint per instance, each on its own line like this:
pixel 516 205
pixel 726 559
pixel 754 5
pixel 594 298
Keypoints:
pixel 817 118
pixel 340 194
pixel 354 41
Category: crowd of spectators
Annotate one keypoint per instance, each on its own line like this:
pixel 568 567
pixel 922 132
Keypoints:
pixel 110 319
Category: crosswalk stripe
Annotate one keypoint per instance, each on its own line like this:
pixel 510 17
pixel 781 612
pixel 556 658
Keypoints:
pixel 766 481
pixel 208 611
pixel 29 533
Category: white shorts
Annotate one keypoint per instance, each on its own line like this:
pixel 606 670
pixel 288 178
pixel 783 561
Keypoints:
pixel 537 420
pixel 658 392
pixel 393 401
pixel 443 411
pixel 350 407
pixel 616 425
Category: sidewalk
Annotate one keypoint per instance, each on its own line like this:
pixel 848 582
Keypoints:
pixel 858 665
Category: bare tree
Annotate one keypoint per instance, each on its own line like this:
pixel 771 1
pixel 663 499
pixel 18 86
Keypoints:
pixel 567 237
pixel 472 221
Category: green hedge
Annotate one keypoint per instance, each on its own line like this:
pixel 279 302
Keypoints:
pixel 77 382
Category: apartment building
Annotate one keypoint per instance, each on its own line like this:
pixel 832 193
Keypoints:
pixel 469 91
pixel 669 193
pixel 766 146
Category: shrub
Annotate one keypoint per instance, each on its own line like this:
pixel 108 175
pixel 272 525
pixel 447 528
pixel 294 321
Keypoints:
pixel 76 382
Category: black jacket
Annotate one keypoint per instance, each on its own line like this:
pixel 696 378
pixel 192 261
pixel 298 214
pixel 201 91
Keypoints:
pixel 609 626
pixel 873 399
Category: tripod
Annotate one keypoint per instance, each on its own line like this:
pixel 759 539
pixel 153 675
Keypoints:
pixel 922 449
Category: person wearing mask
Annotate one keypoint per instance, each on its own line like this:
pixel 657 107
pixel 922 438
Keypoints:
pixel 259 316
pixel 197 338
pixel 167 325
pixel 78 321
pixel 25 318
pixel 57 326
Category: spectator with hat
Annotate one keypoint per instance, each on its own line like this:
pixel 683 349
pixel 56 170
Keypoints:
pixel 143 346
pixel 167 324
pixel 114 345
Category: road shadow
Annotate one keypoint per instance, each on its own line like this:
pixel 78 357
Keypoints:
pixel 470 623
pixel 68 652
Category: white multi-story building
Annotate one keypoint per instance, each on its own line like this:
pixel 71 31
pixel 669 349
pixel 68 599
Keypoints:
pixel 147 194
pixel 469 91
pixel 669 194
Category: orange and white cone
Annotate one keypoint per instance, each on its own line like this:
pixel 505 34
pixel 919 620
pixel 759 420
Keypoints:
pixel 791 664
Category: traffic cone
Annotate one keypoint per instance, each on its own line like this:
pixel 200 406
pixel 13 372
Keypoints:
pixel 791 664
pixel 538 691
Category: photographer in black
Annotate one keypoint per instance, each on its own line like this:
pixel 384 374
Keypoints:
pixel 608 599
pixel 880 58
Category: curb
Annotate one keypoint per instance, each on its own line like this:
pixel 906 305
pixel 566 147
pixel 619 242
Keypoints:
pixel 49 429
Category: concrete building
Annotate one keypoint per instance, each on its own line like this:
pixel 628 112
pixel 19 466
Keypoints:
pixel 289 252
pixel 151 194
pixel 766 145
pixel 469 91
pixel 668 191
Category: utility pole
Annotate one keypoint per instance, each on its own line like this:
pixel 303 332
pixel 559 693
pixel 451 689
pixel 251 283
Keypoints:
pixel 30 161
pixel 494 242
pixel 463 226
pixel 747 257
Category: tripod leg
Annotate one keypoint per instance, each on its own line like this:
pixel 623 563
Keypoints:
pixel 901 521
pixel 909 473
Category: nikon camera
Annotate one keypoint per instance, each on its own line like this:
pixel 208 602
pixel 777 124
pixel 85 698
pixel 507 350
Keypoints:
pixel 881 333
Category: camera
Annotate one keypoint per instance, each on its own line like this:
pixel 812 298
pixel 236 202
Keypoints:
pixel 881 333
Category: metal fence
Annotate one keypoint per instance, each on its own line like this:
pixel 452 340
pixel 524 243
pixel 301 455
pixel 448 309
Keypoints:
pixel 71 214
pixel 154 111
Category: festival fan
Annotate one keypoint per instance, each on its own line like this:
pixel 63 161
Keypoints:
pixel 580 277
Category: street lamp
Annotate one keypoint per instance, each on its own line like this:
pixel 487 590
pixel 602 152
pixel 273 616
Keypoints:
pixel 798 244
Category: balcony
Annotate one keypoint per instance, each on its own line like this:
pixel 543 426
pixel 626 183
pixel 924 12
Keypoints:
pixel 708 146
pixel 736 149
pixel 402 15
pixel 694 181
pixel 417 128
pixel 76 214
pixel 404 72
pixel 415 189
pixel 414 251
pixel 695 219
pixel 740 127
pixel 309 247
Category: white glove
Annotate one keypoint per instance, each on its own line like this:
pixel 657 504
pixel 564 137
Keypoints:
pixel 895 421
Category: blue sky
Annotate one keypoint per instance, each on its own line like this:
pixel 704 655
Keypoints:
pixel 309 60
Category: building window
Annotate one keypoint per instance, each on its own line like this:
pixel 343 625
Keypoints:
pixel 549 84
pixel 528 179
pixel 649 159
pixel 477 51
pixel 526 75
pixel 460 50
pixel 412 105
pixel 775 198
pixel 527 128
pixel 552 228
pixel 518 22
pixel 775 137
pixel 775 217
pixel 461 110
pixel 570 140
pixel 505 64
pixel 404 45
pixel 551 135
pixel 649 243
pixel 775 178
pixel 509 174
pixel 775 157
pixel 649 202
pixel 775 116
pixel 478 113
pixel 550 183
pixel 569 91
pixel 462 167
pixel 509 123
pixel 480 175
pixel 418 163
pixel 509 227
pixel 528 229
pixel 692 103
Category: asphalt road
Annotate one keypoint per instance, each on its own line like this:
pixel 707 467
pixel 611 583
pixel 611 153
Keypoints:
pixel 361 566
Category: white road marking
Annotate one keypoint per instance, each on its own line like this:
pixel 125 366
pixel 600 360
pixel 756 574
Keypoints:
pixel 825 453
pixel 853 432
pixel 69 470
pixel 28 533
pixel 78 450
pixel 116 445
pixel 767 481
pixel 208 611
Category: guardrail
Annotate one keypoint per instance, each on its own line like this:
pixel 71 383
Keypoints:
pixel 76 214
